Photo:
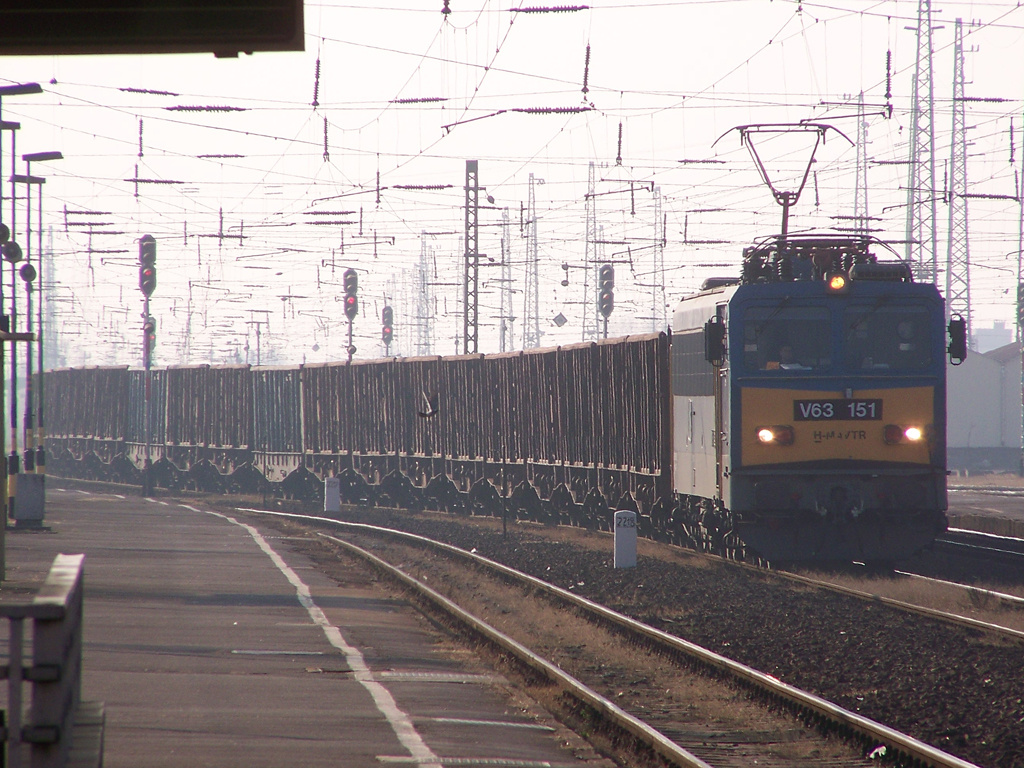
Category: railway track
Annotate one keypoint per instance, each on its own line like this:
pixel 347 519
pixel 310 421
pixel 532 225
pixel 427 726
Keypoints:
pixel 1006 549
pixel 956 619
pixel 689 745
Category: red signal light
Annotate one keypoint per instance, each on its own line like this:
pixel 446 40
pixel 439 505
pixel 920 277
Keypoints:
pixel 147 280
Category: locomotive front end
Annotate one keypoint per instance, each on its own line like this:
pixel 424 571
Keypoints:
pixel 838 429
pixel 813 426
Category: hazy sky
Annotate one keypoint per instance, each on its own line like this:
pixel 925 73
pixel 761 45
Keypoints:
pixel 260 203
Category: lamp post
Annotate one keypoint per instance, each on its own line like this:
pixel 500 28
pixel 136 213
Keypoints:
pixel 28 274
pixel 12 253
pixel 17 89
pixel 39 460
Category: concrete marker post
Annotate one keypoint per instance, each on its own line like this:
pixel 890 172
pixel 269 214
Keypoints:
pixel 625 539
pixel 332 495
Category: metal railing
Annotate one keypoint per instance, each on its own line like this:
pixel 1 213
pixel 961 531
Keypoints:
pixel 55 673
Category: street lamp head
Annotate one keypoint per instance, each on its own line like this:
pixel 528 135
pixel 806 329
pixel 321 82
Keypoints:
pixel 38 157
pixel 20 89
pixel 11 251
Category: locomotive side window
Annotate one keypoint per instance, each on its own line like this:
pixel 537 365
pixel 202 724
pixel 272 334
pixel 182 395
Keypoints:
pixel 883 338
pixel 692 375
pixel 791 339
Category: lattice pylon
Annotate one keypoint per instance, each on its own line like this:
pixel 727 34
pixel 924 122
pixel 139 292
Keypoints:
pixel 592 319
pixel 922 242
pixel 958 256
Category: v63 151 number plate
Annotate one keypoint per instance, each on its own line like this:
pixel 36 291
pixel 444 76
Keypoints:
pixel 837 410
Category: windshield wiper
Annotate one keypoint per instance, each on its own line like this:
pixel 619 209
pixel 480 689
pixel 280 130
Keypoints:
pixel 759 328
pixel 882 301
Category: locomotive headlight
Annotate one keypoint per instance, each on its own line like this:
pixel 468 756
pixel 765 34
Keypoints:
pixel 781 435
pixel 837 283
pixel 893 434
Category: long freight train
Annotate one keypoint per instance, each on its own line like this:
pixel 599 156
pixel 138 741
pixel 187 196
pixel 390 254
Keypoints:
pixel 796 413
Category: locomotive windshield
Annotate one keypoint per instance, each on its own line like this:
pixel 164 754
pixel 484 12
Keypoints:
pixel 881 338
pixel 877 337
pixel 787 338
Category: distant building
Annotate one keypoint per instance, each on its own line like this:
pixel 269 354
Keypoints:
pixel 987 339
pixel 983 408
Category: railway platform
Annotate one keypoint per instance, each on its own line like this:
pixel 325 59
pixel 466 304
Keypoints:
pixel 988 504
pixel 213 642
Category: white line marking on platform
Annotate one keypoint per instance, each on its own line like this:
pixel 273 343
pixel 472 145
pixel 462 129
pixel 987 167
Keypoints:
pixel 400 722
pixel 440 677
pixel 486 723
pixel 510 763
pixel 278 653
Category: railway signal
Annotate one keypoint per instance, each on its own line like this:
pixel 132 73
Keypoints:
pixel 351 283
pixel 387 331
pixel 147 265
pixel 149 335
pixel 605 292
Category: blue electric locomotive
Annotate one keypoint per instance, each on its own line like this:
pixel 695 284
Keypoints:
pixel 810 404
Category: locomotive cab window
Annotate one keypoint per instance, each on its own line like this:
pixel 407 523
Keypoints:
pixel 783 339
pixel 887 338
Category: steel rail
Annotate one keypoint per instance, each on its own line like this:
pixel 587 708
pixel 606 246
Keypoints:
pixel 644 734
pixel 904 745
pixel 1008 600
pixel 921 610
pixel 984 544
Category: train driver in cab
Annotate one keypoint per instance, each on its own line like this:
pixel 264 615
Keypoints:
pixel 786 360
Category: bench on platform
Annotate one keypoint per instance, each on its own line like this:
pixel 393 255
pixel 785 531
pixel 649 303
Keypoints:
pixel 61 730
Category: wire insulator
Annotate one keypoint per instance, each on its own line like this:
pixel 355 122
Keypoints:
pixel 327 154
pixel 140 137
pixel 419 100
pixel 888 75
pixel 446 10
pixel 211 108
pixel 586 71
pixel 316 86
pixel 618 157
pixel 550 110
pixel 550 9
